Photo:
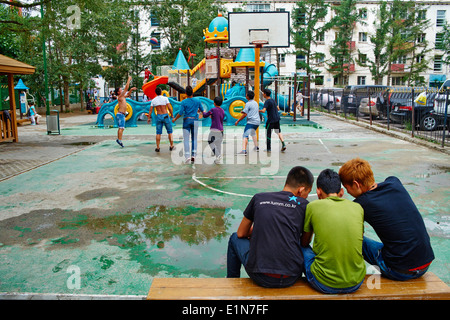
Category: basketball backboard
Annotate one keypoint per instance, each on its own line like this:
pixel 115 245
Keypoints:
pixel 271 29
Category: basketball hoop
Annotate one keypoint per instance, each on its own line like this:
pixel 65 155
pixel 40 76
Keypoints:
pixel 257 29
pixel 259 42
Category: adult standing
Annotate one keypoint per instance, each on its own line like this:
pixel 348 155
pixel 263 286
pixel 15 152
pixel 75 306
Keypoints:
pixel 163 113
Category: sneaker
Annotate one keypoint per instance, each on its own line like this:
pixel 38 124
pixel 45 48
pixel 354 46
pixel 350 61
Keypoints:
pixel 119 142
pixel 157 150
pixel 192 159
pixel 218 160
pixel 256 149
pixel 171 148
pixel 243 152
pixel 283 148
pixel 187 160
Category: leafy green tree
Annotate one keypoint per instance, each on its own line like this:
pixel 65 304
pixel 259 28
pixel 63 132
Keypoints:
pixel 444 45
pixel 341 51
pixel 378 65
pixel 182 23
pixel 307 30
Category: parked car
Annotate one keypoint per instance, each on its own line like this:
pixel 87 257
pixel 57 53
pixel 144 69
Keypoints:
pixel 440 115
pixel 329 99
pixel 402 105
pixel 351 98
pixel 373 106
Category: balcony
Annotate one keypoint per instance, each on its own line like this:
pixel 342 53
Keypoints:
pixel 397 67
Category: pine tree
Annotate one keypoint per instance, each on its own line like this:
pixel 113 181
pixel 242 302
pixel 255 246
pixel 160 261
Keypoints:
pixel 344 22
pixel 307 29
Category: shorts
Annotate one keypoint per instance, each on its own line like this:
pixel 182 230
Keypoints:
pixel 273 126
pixel 120 120
pixel 163 119
pixel 250 130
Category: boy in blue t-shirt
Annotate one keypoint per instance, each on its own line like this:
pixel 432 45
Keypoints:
pixel 267 241
pixel 189 109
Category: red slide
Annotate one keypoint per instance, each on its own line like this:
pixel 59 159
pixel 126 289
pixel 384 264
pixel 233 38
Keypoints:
pixel 149 87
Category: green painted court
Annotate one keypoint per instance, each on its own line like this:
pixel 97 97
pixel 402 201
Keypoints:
pixel 117 218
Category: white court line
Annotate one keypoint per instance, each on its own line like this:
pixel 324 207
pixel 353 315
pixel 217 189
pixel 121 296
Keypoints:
pixel 326 148
pixel 233 193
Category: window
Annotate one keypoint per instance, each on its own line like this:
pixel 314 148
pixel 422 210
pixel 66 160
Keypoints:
pixel 282 59
pixel 154 20
pixel 419 59
pixel 439 40
pixel 363 13
pixel 258 7
pixel 320 58
pixel 156 35
pixel 440 19
pixel 398 81
pixel 300 58
pixel 362 58
pixel 400 60
pixel 361 80
pixel 318 80
pixel 437 63
pixel 320 37
pixel 362 37
pixel 301 17
pixel 421 15
pixel 421 38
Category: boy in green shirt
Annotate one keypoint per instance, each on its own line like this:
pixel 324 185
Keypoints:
pixel 335 264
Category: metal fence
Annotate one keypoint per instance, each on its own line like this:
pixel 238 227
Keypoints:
pixel 421 111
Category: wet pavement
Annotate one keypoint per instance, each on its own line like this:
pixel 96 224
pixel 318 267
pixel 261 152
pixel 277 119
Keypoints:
pixel 82 217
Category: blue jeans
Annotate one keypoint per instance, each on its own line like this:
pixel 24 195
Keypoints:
pixel 120 120
pixel 190 128
pixel 372 254
pixel 237 255
pixel 309 256
pixel 163 120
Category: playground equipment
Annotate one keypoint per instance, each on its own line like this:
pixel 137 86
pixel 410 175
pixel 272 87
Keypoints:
pixel 221 72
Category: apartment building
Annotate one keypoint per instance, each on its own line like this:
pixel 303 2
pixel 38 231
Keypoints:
pixel 437 12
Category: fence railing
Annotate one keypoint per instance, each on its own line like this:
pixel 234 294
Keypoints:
pixel 421 111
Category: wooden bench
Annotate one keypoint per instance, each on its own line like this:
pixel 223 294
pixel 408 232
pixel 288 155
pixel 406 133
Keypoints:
pixel 22 121
pixel 428 286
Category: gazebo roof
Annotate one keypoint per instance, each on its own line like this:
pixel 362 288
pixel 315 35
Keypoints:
pixel 12 66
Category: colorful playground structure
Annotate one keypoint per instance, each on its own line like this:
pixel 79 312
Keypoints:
pixel 219 73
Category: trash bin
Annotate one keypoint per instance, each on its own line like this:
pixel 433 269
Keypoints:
pixel 53 122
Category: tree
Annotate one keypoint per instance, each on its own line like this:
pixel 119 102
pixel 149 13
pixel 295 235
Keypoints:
pixel 182 23
pixel 74 50
pixel 444 45
pixel 406 26
pixel 344 21
pixel 307 30
pixel 378 65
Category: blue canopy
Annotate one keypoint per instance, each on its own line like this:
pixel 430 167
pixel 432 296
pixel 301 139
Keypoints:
pixel 21 86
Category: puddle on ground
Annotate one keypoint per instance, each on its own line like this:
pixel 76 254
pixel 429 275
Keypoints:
pixel 155 226
pixel 82 143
